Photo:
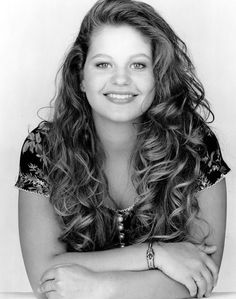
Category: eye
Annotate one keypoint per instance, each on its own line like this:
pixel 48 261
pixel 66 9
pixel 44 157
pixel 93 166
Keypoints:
pixel 103 65
pixel 138 66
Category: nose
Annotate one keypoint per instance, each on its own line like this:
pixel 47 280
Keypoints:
pixel 121 77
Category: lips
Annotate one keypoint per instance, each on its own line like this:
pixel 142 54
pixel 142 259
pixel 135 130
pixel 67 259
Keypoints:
pixel 120 97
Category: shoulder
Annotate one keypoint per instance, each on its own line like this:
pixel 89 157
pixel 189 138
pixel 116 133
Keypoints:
pixel 36 138
pixel 213 168
pixel 35 145
pixel 34 161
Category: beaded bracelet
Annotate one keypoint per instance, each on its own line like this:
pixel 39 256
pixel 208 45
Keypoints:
pixel 150 255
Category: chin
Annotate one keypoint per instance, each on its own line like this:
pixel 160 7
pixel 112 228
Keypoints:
pixel 117 117
pixel 122 119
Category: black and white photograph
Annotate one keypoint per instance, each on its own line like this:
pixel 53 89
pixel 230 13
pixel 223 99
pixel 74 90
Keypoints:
pixel 118 144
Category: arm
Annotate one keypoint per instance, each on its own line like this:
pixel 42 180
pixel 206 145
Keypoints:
pixel 213 205
pixel 155 284
pixel 143 285
pixel 39 232
pixel 44 251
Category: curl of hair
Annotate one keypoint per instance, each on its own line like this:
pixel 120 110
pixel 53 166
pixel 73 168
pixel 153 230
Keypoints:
pixel 166 156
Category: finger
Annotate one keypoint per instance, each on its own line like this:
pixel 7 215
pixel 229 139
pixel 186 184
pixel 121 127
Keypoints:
pixel 208 249
pixel 64 265
pixel 209 280
pixel 51 295
pixel 52 272
pixel 213 268
pixel 201 285
pixel 47 286
pixel 49 274
pixel 192 287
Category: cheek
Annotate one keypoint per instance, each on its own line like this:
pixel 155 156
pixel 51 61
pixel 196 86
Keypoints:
pixel 93 90
pixel 148 88
pixel 94 83
pixel 150 81
pixel 147 101
pixel 145 82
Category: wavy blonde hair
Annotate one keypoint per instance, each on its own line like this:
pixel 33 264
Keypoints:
pixel 166 157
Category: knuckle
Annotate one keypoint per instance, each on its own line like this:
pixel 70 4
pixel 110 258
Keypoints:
pixel 58 272
pixel 200 282
pixel 58 284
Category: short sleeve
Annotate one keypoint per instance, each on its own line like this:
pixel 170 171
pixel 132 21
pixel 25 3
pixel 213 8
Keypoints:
pixel 212 166
pixel 34 162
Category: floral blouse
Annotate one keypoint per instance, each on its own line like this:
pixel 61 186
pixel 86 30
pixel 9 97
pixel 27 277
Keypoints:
pixel 33 178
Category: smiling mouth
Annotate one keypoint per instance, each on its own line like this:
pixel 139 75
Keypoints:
pixel 120 96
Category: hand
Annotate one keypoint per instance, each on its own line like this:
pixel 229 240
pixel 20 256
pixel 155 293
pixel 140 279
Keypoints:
pixel 188 264
pixel 71 281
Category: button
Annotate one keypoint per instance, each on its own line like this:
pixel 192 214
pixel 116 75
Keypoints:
pixel 120 226
pixel 122 235
pixel 120 218
pixel 122 245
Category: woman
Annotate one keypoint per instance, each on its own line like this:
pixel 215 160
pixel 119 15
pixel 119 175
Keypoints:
pixel 127 177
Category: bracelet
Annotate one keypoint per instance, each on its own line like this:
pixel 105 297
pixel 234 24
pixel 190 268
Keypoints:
pixel 150 254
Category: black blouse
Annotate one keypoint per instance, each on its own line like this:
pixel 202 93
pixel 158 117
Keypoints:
pixel 33 178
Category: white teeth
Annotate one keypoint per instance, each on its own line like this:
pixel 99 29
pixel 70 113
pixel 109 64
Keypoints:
pixel 120 96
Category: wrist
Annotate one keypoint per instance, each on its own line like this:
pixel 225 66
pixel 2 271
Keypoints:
pixel 137 257
pixel 159 250
pixel 150 256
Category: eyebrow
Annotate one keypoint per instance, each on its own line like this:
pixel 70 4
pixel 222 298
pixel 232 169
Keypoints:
pixel 132 56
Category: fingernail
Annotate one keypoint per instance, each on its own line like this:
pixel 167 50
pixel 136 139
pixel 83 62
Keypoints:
pixel 38 290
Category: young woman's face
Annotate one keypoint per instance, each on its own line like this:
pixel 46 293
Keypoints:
pixel 118 76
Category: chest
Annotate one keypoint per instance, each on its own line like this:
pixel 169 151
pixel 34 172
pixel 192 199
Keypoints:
pixel 121 188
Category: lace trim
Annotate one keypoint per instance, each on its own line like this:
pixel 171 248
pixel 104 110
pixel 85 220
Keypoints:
pixel 128 209
pixel 34 192
pixel 223 176
pixel 121 210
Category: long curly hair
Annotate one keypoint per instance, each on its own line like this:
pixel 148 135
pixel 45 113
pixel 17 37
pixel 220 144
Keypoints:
pixel 166 156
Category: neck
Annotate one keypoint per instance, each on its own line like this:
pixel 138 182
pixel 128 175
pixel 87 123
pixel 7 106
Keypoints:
pixel 117 138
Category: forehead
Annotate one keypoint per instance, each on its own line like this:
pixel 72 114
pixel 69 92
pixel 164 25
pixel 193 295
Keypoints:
pixel 119 39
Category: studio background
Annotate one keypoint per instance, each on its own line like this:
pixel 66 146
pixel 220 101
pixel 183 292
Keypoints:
pixel 35 34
